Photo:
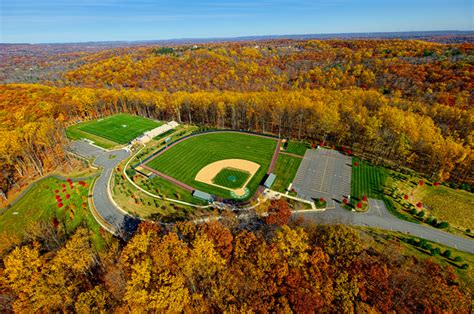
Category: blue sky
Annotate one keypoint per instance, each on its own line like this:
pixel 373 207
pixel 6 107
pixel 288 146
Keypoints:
pixel 37 21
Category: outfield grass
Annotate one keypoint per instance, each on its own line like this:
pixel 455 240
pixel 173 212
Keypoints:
pixel 285 171
pixel 120 128
pixel 39 204
pixel 367 179
pixel 231 178
pixel 184 160
pixel 297 148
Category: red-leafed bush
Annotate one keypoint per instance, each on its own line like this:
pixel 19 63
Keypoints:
pixel 359 205
pixel 60 205
pixel 68 196
pixel 421 183
pixel 356 164
pixel 364 198
pixel 405 197
pixel 55 222
pixel 419 204
pixel 437 184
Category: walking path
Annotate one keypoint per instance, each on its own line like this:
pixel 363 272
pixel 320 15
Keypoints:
pixel 377 216
pixel 274 158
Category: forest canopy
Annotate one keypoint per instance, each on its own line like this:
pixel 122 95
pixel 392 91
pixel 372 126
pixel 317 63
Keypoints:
pixel 407 101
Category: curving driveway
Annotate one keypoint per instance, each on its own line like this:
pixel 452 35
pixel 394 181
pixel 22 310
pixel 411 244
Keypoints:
pixel 378 216
pixel 114 218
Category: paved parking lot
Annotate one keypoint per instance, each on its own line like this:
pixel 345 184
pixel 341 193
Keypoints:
pixel 85 149
pixel 323 173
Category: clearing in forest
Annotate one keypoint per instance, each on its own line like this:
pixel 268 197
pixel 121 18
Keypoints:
pixel 119 129
pixel 184 160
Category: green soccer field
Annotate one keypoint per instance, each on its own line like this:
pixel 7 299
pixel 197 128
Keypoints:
pixel 121 129
pixel 184 160
pixel 231 178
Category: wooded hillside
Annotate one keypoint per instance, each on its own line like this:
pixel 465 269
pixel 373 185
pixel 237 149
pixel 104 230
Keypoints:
pixel 406 101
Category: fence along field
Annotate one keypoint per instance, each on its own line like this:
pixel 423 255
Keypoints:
pixel 120 128
pixel 184 160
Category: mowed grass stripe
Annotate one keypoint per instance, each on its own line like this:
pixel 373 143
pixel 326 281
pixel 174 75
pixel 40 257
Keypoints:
pixel 231 178
pixel 297 148
pixel 184 160
pixel 112 128
pixel 367 180
pixel 285 171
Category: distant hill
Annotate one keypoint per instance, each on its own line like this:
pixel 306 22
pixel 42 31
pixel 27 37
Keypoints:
pixel 447 36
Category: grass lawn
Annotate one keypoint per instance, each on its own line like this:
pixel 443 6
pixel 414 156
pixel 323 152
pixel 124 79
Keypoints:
pixel 143 205
pixel 118 129
pixel 164 135
pixel 454 206
pixel 297 148
pixel 231 178
pixel 367 179
pixel 40 204
pixel 185 159
pixel 440 202
pixel 285 172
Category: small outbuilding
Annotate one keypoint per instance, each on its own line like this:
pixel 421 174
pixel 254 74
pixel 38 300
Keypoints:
pixel 269 180
pixel 203 196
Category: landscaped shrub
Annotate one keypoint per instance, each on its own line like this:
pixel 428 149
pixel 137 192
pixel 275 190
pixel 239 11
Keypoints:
pixel 131 172
pixel 435 251
pixel 465 266
pixel 443 225
pixel 421 214
pixel 447 253
pixel 458 259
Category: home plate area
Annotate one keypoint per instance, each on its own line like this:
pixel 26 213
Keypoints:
pixel 323 173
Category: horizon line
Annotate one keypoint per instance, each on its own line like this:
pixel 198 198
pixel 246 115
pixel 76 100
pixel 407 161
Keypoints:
pixel 241 37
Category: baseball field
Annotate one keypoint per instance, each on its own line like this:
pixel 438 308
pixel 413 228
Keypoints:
pixel 241 161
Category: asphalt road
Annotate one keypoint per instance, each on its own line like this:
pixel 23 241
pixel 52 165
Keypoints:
pixel 378 216
pixel 120 221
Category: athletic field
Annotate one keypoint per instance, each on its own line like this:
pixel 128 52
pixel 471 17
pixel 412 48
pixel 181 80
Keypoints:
pixel 185 159
pixel 231 178
pixel 121 129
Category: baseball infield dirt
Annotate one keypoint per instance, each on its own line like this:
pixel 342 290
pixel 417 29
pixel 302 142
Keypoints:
pixel 208 173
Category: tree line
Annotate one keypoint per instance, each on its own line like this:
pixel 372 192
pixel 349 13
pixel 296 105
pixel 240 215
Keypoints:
pixel 409 133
